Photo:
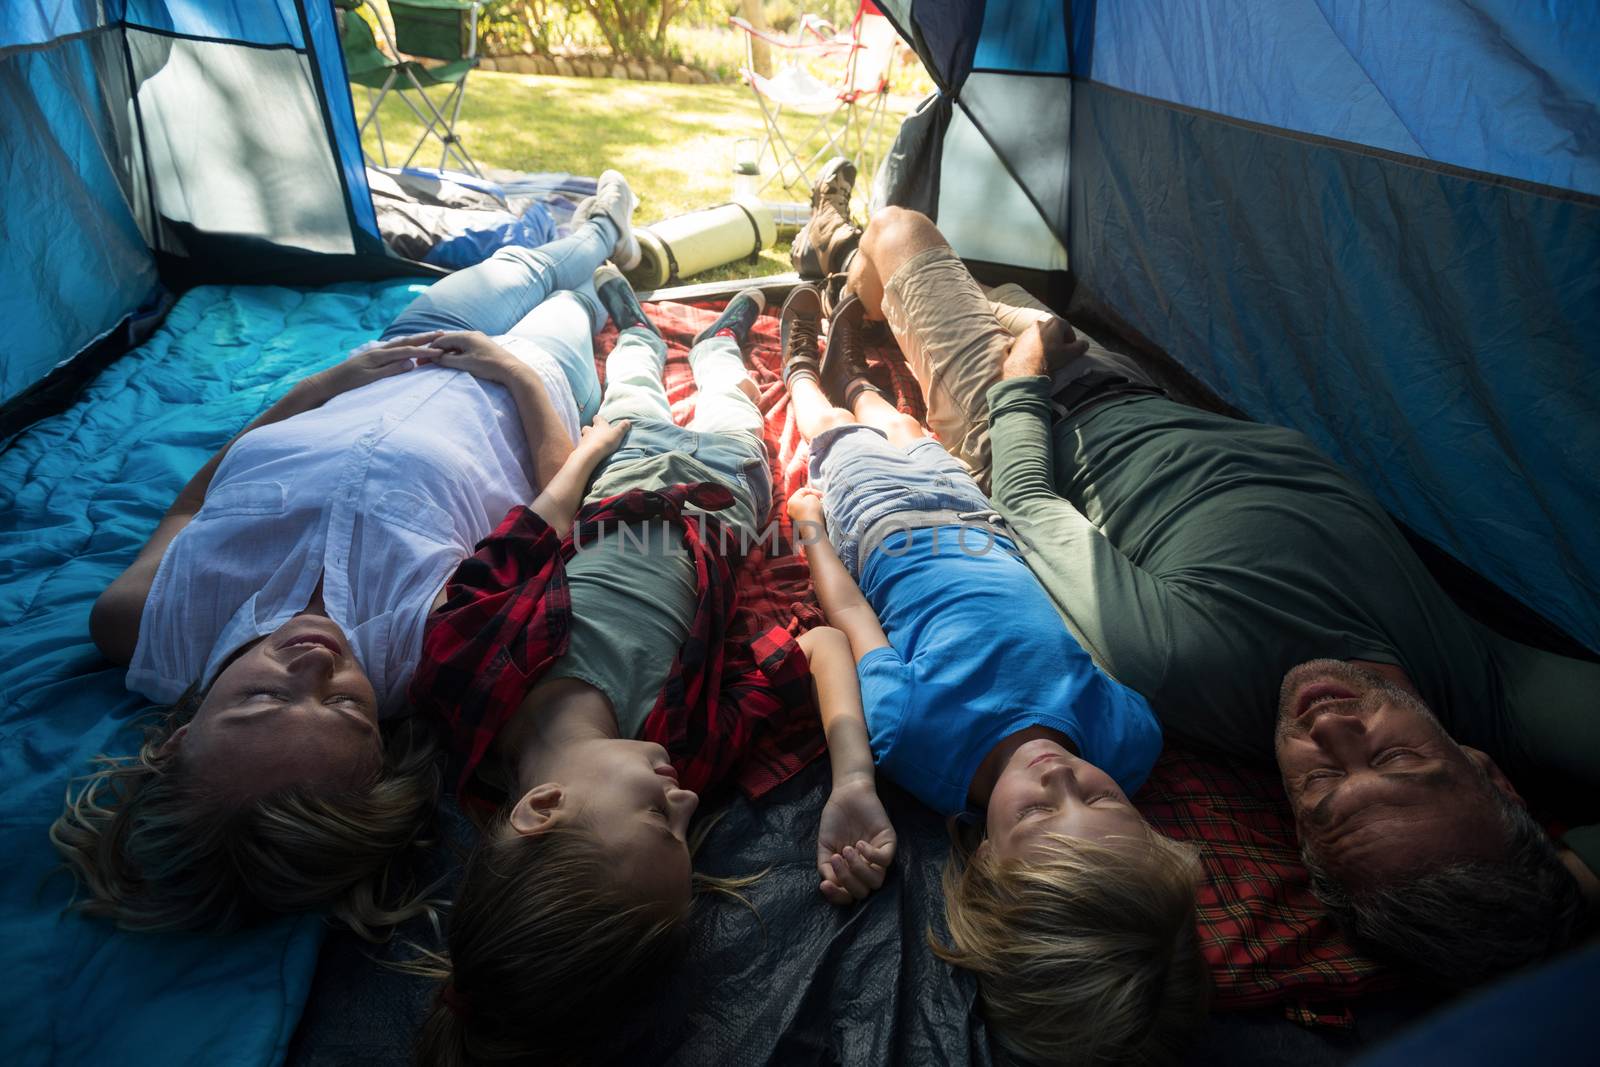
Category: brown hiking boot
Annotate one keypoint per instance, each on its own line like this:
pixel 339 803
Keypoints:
pixel 824 245
pixel 843 369
pixel 798 324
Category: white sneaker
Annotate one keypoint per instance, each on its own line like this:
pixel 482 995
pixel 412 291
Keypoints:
pixel 616 201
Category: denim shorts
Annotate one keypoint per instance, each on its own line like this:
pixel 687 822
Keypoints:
pixel 738 461
pixel 865 480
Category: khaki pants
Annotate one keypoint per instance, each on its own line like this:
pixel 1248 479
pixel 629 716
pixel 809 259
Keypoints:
pixel 955 335
pixel 954 340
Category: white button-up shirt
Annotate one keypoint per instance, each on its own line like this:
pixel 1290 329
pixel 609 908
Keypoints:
pixel 380 492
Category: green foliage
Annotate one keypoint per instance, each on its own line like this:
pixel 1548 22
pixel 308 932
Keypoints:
pixel 509 27
pixel 634 29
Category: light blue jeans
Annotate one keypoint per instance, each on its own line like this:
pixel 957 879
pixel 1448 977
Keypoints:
pixel 545 294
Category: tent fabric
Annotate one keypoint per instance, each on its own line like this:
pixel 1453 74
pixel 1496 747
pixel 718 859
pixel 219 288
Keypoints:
pixel 79 494
pixel 75 260
pixel 1437 335
pixel 1375 223
pixel 150 141
pixel 1501 86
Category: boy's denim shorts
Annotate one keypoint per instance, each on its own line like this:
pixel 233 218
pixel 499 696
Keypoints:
pixel 865 480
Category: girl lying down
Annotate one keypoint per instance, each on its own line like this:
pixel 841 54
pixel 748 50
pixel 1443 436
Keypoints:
pixel 582 671
pixel 1077 918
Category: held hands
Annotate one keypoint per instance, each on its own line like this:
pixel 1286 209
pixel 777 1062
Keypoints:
pixel 855 843
pixel 1043 348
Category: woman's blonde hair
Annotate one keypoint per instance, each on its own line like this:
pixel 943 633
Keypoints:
pixel 1086 957
pixel 545 946
pixel 157 850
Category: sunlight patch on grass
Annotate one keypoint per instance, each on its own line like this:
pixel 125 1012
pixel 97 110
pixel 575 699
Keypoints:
pixel 675 143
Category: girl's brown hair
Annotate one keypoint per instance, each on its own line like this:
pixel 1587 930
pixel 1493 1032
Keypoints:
pixel 545 946
pixel 157 850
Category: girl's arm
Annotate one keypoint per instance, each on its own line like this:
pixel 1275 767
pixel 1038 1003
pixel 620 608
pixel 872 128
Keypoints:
pixel 855 840
pixel 562 496
pixel 841 600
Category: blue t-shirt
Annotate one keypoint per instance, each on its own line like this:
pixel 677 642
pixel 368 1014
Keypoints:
pixel 978 652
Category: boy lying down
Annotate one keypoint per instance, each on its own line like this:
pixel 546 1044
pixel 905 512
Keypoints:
pixel 1077 918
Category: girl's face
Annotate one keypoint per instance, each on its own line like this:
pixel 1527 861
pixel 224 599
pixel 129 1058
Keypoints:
pixel 1045 791
pixel 627 793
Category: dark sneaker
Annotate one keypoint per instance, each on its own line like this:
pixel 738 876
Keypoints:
pixel 737 317
pixel 825 243
pixel 619 300
pixel 843 368
pixel 614 199
pixel 798 324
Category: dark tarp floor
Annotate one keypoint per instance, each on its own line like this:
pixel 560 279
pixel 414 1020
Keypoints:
pixel 807 984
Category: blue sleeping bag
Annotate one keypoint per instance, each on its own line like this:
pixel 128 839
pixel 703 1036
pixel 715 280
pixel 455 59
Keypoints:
pixel 79 495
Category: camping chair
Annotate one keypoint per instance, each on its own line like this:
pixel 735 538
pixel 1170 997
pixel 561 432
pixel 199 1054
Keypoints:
pixel 433 29
pixel 849 108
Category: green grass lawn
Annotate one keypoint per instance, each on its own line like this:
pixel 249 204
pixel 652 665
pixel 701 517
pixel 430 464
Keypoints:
pixel 675 143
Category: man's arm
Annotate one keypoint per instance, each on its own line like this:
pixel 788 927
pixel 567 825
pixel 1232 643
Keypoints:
pixel 1121 614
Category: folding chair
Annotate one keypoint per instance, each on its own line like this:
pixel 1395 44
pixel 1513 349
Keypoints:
pixel 433 29
pixel 848 107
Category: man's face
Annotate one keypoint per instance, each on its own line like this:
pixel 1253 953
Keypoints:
pixel 1377 787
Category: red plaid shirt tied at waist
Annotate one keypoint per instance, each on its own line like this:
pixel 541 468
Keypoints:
pixel 727 708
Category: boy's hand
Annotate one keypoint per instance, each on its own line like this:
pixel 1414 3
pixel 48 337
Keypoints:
pixel 805 505
pixel 601 438
pixel 855 843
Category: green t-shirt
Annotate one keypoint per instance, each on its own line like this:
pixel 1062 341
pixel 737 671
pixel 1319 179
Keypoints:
pixel 633 592
pixel 1200 557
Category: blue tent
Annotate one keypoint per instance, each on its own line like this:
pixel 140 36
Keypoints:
pixel 145 142
pixel 1376 223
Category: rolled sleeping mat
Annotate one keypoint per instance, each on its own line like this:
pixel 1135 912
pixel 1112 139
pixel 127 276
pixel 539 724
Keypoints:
pixel 685 245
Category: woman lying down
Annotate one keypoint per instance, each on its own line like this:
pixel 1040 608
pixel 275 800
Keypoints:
pixel 279 605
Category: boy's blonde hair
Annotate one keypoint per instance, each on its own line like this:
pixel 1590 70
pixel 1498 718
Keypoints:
pixel 1086 957
pixel 157 850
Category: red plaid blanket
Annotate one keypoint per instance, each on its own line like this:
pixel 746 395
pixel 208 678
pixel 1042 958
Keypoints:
pixel 1267 939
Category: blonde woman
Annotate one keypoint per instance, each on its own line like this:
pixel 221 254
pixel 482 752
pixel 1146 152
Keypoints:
pixel 279 605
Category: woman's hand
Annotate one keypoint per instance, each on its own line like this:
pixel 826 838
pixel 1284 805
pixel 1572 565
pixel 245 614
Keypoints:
pixel 855 843
pixel 805 505
pixel 395 356
pixel 474 353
